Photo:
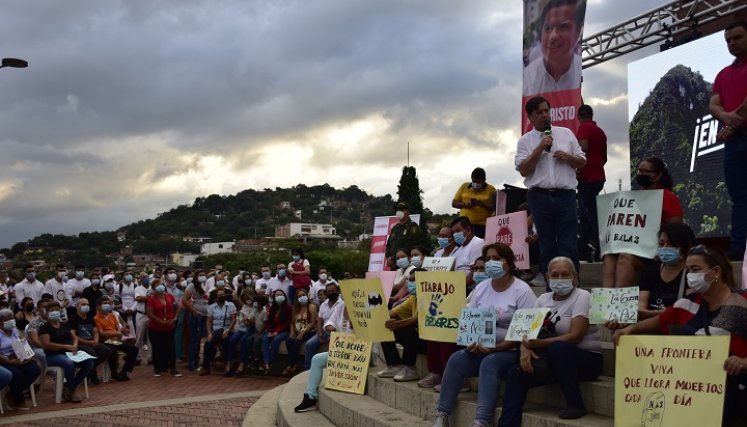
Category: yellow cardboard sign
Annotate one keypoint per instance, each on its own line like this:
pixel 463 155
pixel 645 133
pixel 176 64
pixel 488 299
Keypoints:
pixel 366 304
pixel 347 364
pixel 663 381
pixel 441 297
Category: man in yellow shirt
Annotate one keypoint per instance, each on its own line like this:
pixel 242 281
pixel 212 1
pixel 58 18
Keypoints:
pixel 476 201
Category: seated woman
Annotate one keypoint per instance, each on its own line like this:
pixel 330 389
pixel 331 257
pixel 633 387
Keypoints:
pixel 277 328
pixel 713 308
pixel 251 346
pixel 24 372
pixel 26 314
pixel 244 326
pixel 220 321
pixel 32 333
pixel 573 354
pixel 403 321
pixel 620 270
pixel 302 327
pixel 57 339
pixel 504 293
pixel 399 290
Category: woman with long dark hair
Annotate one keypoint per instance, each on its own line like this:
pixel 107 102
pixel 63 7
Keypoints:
pixel 278 328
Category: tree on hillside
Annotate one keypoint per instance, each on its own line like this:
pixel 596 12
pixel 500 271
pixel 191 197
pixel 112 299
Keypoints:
pixel 409 191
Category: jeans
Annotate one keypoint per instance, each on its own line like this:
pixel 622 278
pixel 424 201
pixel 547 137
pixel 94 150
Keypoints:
pixel 735 173
pixel 23 377
pixel 72 378
pixel 209 351
pixel 179 336
pixel 408 338
pixel 271 345
pixel 130 357
pixel 294 347
pixel 569 365
pixel 312 345
pixel 252 343
pixel 490 368
pixel 557 225
pixel 5 377
pixel 588 228
pixel 318 363
pixel 163 351
pixel 236 338
pixel 100 351
pixel 196 332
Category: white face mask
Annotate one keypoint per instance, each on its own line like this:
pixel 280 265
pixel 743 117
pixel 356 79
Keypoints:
pixel 399 215
pixel 698 283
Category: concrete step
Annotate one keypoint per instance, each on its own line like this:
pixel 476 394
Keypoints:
pixel 264 411
pixel 345 409
pixel 408 397
pixel 290 396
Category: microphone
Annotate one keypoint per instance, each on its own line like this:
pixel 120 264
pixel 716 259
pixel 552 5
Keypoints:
pixel 548 132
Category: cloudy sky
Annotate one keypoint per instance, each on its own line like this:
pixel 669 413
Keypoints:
pixel 130 108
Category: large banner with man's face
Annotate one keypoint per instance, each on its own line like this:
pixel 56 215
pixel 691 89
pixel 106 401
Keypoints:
pixel 552 57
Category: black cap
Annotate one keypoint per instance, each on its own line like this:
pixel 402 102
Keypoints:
pixel 402 205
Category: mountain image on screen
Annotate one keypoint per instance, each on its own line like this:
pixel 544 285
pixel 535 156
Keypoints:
pixel 665 126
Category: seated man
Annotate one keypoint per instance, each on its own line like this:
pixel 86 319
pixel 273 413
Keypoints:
pixel 111 331
pixel 88 336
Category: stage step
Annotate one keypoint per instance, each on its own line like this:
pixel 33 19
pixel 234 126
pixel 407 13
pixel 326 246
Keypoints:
pixel 264 411
pixel 289 398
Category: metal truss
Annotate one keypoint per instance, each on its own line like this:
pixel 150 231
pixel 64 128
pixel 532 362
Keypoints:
pixel 674 20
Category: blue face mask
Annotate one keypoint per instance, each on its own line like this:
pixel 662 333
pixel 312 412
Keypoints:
pixel 416 262
pixel 161 289
pixel 54 316
pixel 479 276
pixel 494 269
pixel 279 299
pixel 303 300
pixel 403 262
pixel 296 258
pixel 411 287
pixel 80 274
pixel 561 287
pixel 668 255
pixel 443 242
pixel 85 308
pixel 106 308
pixel 459 238
pixel 281 273
pixel 31 276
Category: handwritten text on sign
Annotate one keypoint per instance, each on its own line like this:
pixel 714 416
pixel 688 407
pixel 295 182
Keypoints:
pixel 477 325
pixel 526 321
pixel 670 380
pixel 511 230
pixel 438 264
pixel 628 222
pixel 367 306
pixel 441 296
pixel 347 365
pixel 619 304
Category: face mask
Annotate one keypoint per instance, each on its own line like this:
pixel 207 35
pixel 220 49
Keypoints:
pixel 459 238
pixel 54 316
pixel 479 276
pixel 221 299
pixel 161 289
pixel 303 300
pixel 668 255
pixel 61 275
pixel 443 242
pixel 242 272
pixel 403 262
pixel 85 308
pixel 266 275
pixel 29 308
pixel 561 287
pixel 332 297
pixel 416 262
pixel 189 280
pixel 220 284
pixel 128 278
pixel 296 257
pixel 95 281
pixel 476 185
pixel 9 325
pixel 399 215
pixel 202 279
pixel 281 273
pixel 323 276
pixel 271 299
pixel 108 286
pixel 106 308
pixel 31 276
pixel 79 274
pixel 697 282
pixel 172 277
pixel 644 181
pixel 279 299
pixel 411 287
pixel 255 305
pixel 494 269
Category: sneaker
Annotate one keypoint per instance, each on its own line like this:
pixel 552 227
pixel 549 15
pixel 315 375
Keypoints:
pixel 94 379
pixel 156 374
pixel 308 404
pixel 572 413
pixel 408 373
pixel 123 376
pixel 389 372
pixel 437 388
pixel 75 397
pixel 477 423
pixel 175 373
pixel 430 380
pixel 442 420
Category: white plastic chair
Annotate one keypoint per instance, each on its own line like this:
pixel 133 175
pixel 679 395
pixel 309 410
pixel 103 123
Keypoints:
pixel 4 403
pixel 60 382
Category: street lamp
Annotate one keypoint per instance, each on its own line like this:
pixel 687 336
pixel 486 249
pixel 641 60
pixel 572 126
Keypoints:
pixel 13 63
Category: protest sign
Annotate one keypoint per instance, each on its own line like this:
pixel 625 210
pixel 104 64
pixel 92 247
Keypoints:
pixel 387 280
pixel 347 363
pixel 441 297
pixel 382 228
pixel 619 304
pixel 438 264
pixel 22 349
pixel 526 321
pixel 367 307
pixel 629 222
pixel 663 381
pixel 511 230
pixel 477 325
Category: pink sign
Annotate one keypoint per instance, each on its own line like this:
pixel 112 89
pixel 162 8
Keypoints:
pixel 386 278
pixel 382 228
pixel 511 230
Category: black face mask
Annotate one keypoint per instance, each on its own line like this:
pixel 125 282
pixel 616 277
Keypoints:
pixel 332 297
pixel 643 180
pixel 221 299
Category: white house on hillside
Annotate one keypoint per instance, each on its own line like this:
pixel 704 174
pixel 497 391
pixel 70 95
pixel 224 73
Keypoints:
pixel 216 248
